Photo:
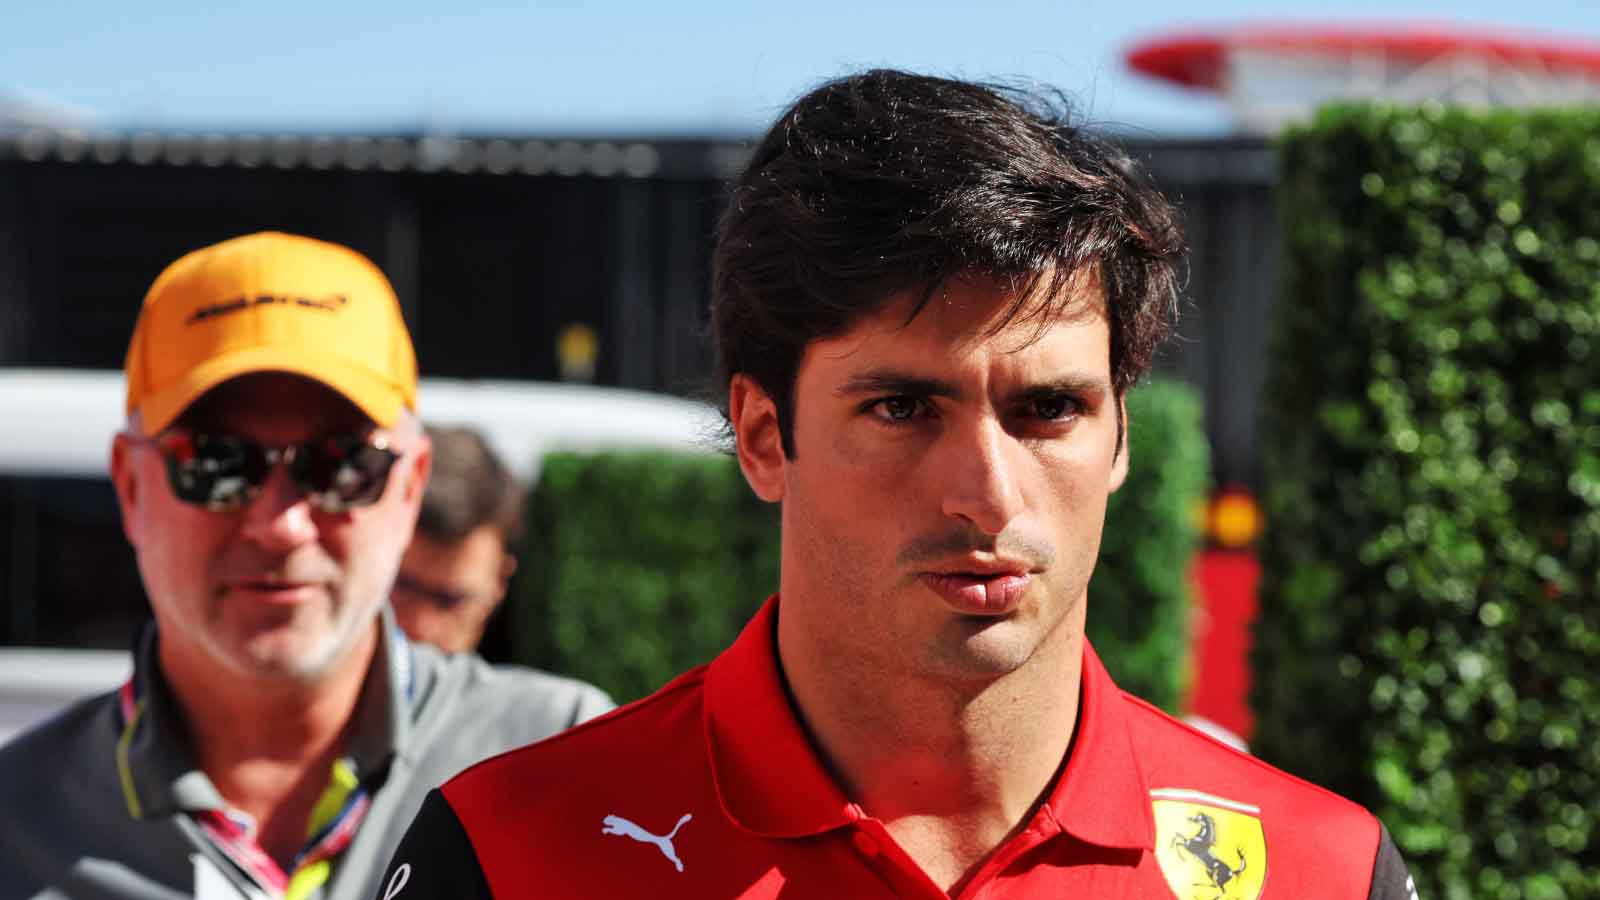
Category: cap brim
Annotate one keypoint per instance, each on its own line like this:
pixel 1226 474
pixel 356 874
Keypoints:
pixel 379 399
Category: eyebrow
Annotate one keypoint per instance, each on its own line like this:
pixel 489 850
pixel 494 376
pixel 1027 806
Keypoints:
pixel 890 381
pixel 1082 384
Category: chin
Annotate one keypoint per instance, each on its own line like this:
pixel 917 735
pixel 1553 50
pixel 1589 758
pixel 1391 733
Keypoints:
pixel 289 657
pixel 309 647
pixel 993 650
pixel 281 667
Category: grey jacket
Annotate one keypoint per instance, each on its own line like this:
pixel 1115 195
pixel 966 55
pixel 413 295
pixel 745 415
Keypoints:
pixel 94 808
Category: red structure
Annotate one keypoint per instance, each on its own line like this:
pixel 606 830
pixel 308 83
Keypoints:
pixel 1219 687
pixel 1272 74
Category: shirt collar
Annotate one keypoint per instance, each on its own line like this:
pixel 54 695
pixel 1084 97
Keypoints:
pixel 768 777
pixel 383 715
pixel 155 765
pixel 1101 796
pixel 771 781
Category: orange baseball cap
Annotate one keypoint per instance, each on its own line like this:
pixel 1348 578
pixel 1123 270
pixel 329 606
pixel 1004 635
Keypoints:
pixel 270 302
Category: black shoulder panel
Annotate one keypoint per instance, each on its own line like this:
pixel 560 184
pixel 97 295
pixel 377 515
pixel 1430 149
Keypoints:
pixel 435 860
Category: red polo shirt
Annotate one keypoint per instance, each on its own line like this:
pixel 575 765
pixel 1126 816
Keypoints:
pixel 710 788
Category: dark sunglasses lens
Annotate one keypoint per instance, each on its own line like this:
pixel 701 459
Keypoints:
pixel 213 471
pixel 343 473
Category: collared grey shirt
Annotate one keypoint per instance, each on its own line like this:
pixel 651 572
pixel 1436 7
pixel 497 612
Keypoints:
pixel 99 804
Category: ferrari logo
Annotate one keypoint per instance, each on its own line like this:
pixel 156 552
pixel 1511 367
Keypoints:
pixel 1209 848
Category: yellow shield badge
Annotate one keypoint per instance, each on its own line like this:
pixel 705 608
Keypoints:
pixel 1209 848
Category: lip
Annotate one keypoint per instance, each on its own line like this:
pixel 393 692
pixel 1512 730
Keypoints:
pixel 286 593
pixel 979 593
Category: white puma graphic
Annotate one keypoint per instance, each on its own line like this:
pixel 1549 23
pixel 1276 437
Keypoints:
pixel 615 824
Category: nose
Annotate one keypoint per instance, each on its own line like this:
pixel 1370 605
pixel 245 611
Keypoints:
pixel 279 518
pixel 981 463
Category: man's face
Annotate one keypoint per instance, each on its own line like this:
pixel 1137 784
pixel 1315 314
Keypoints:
pixel 447 591
pixel 943 509
pixel 277 588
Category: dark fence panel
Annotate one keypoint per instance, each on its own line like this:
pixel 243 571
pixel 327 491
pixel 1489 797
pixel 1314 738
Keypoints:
pixel 491 260
pixel 1224 190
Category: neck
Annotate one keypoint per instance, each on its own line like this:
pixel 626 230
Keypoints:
pixel 951 770
pixel 268 743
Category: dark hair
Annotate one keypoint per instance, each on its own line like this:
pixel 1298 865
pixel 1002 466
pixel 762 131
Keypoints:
pixel 469 488
pixel 886 182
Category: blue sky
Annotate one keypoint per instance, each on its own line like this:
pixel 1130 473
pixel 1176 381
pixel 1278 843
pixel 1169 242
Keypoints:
pixel 716 66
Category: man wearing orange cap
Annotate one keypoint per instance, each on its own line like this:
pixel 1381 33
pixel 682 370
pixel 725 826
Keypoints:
pixel 278 731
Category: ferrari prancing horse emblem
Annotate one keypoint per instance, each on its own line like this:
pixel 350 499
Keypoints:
pixel 1209 848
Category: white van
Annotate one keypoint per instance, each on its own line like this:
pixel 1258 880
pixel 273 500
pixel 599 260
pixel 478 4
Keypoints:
pixel 60 421
pixel 70 597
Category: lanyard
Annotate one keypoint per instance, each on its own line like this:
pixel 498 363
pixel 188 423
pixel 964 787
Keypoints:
pixel 234 834
pixel 334 821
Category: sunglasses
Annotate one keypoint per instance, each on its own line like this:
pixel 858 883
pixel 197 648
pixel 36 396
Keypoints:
pixel 224 472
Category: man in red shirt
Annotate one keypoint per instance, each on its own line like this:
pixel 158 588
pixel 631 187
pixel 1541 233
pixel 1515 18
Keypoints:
pixel 929 301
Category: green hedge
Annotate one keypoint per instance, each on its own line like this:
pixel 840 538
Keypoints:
pixel 639 565
pixel 1139 599
pixel 1430 626
pixel 642 564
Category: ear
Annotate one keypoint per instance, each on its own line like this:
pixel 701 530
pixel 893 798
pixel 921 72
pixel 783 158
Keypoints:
pixel 508 568
pixel 1119 465
pixel 759 444
pixel 416 474
pixel 125 481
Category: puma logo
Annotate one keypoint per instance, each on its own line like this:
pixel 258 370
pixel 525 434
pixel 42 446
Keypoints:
pixel 615 824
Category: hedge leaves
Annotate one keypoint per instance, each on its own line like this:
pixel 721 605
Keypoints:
pixel 1430 629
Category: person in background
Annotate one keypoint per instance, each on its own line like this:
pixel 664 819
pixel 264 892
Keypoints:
pixel 454 575
pixel 929 301
pixel 278 731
